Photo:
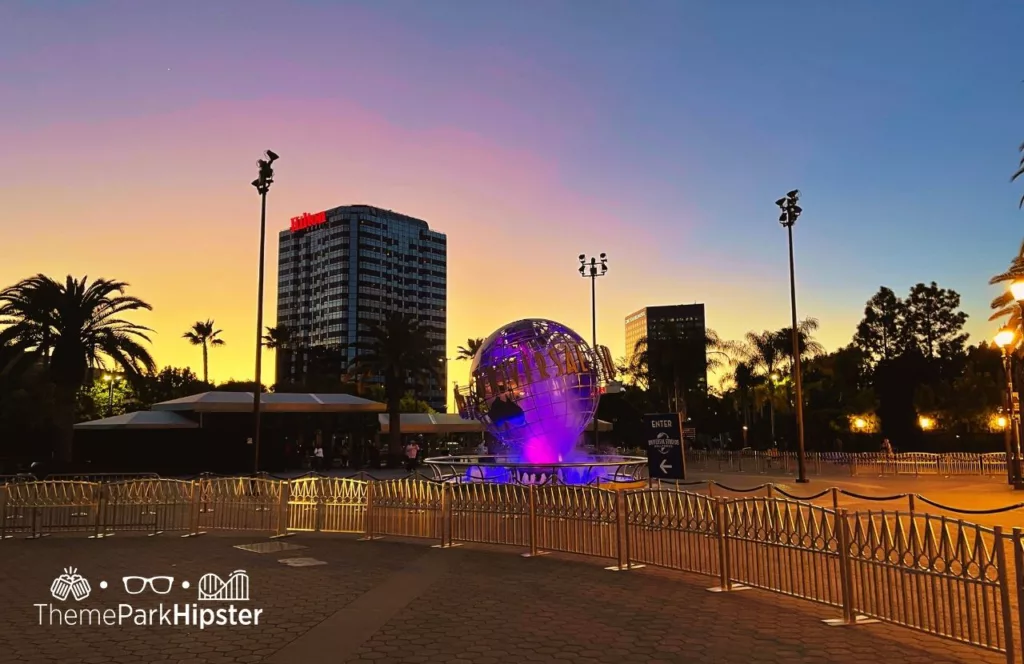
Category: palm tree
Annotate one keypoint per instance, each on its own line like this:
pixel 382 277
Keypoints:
pixel 469 351
pixel 277 338
pixel 69 328
pixel 666 361
pixel 762 352
pixel 1004 304
pixel 203 334
pixel 400 350
pixel 809 346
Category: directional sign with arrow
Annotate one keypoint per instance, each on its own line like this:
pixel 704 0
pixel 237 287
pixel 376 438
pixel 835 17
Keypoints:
pixel 664 446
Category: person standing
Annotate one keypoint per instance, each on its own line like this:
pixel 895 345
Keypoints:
pixel 318 457
pixel 412 452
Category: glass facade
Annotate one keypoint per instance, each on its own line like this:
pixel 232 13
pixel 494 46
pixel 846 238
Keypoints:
pixel 338 278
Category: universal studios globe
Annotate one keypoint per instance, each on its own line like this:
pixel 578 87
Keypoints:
pixel 535 385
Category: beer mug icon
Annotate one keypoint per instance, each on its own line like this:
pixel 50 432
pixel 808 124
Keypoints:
pixel 70 583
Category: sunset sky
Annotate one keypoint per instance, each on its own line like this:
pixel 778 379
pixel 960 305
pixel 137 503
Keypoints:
pixel 529 132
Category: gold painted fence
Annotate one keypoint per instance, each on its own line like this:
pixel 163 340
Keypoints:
pixel 942 576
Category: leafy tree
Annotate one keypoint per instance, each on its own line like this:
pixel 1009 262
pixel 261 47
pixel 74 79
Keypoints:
pixel 170 383
pixel 101 398
pixel 934 322
pixel 881 335
pixel 72 326
pixel 400 350
pixel 469 351
pixel 238 386
pixel 203 334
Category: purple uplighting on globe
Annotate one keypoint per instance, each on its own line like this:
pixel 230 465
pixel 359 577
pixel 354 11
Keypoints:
pixel 535 385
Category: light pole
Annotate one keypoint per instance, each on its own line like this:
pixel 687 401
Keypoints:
pixel 774 379
pixel 1005 339
pixel 592 269
pixel 110 393
pixel 790 213
pixel 262 184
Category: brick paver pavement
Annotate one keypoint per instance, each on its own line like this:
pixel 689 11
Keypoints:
pixel 402 602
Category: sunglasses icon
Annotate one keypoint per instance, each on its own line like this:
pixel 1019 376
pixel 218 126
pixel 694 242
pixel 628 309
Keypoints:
pixel 161 585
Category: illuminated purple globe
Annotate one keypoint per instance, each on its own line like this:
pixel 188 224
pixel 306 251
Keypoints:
pixel 535 385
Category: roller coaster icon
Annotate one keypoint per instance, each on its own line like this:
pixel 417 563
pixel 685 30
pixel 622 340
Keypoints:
pixel 235 588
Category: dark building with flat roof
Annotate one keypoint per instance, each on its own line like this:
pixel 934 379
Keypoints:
pixel 684 320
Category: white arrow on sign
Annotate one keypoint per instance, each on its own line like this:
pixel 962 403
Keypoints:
pixel 665 465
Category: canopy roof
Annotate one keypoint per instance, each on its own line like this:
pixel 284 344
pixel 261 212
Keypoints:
pixel 428 423
pixel 143 419
pixel 273 402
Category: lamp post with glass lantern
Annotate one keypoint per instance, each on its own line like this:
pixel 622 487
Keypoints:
pixel 1006 339
pixel 592 269
pixel 262 184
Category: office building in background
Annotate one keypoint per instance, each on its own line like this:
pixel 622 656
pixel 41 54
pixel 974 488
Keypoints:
pixel 685 321
pixel 343 270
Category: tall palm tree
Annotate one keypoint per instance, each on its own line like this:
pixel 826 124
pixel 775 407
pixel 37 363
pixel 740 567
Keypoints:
pixel 203 334
pixel 762 352
pixel 469 351
pixel 400 350
pixel 69 328
pixel 809 346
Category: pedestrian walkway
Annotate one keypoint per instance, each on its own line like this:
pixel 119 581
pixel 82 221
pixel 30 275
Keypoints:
pixel 404 602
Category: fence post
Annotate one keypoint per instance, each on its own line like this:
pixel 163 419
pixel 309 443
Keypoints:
pixel 368 519
pixel 283 514
pixel 446 517
pixel 101 506
pixel 711 488
pixel 724 584
pixel 835 499
pixel 853 465
pixel 1018 560
pixel 911 503
pixel 770 489
pixel 3 512
pixel 193 509
pixel 1004 591
pixel 845 583
pixel 533 526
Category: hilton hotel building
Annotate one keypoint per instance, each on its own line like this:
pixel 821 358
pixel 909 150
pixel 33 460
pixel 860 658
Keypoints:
pixel 342 270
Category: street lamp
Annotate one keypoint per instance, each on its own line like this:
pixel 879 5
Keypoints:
pixel 592 269
pixel 926 422
pixel 110 380
pixel 1006 339
pixel 262 184
pixel 790 213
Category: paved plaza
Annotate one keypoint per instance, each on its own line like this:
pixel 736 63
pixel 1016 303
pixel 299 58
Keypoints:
pixel 965 493
pixel 405 602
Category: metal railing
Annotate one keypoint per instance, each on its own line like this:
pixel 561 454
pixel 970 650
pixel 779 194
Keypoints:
pixel 850 463
pixel 934 574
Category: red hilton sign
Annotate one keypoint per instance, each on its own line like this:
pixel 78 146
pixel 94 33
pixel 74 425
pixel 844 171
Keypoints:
pixel 307 220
